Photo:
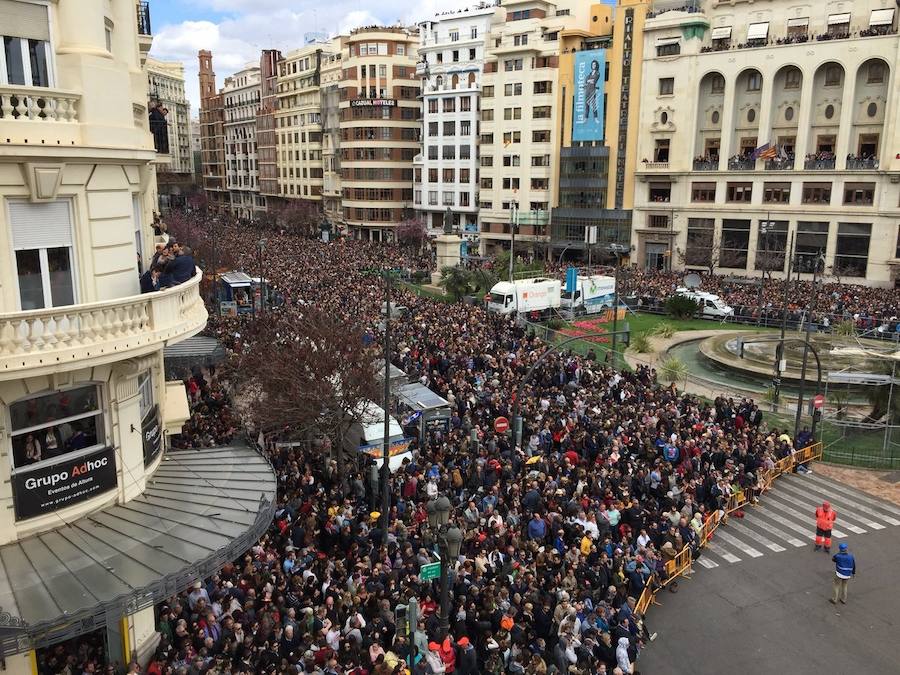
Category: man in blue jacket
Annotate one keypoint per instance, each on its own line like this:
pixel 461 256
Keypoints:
pixel 844 570
pixel 180 269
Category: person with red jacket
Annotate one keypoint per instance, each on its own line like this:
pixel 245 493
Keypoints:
pixel 825 517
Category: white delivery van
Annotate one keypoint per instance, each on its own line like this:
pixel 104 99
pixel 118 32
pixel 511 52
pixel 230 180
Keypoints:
pixel 711 305
pixel 592 294
pixel 539 295
pixel 366 435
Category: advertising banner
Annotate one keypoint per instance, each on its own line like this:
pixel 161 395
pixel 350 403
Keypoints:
pixel 63 483
pixel 151 433
pixel 587 110
pixel 376 450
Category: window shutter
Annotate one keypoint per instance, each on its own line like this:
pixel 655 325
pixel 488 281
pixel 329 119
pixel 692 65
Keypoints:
pixel 24 20
pixel 45 225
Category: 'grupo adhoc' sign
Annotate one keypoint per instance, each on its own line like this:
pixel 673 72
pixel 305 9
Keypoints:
pixel 64 483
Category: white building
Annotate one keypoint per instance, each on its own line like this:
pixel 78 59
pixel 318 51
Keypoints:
pixel 519 129
pixel 241 95
pixel 167 87
pixel 88 543
pixel 816 82
pixel 451 51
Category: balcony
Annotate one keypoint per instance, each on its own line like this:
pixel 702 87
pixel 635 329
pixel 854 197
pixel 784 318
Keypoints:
pixel 656 166
pixel 143 18
pixel 741 164
pixel 706 164
pixel 862 163
pixel 44 341
pixel 159 128
pixel 145 32
pixel 813 163
pixel 780 164
pixel 39 115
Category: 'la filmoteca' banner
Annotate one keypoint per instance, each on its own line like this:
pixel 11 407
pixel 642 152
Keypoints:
pixel 64 483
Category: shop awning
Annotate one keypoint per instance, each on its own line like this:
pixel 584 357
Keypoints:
pixel 195 351
pixel 758 31
pixel 721 33
pixel 419 397
pixel 837 19
pixel 201 509
pixel 663 41
pixel 882 17
pixel 176 411
pixel 801 22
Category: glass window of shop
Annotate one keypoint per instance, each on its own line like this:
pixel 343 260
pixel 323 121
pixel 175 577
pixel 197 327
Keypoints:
pixel 49 426
pixel 852 256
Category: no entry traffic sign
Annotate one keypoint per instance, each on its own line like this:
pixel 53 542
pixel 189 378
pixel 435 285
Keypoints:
pixel 501 425
pixel 818 401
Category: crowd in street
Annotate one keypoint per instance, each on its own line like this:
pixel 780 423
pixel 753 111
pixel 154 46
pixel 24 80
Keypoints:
pixel 560 536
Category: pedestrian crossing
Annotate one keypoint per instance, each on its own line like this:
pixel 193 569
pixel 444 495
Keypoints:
pixel 784 520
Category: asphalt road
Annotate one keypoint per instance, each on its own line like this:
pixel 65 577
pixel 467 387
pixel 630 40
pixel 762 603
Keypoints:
pixel 771 614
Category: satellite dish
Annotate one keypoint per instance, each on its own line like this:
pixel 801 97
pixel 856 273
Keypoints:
pixel 691 280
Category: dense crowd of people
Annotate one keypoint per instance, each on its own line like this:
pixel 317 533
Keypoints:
pixel 560 536
pixel 615 476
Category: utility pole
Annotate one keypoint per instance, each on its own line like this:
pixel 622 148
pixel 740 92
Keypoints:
pixel 386 448
pixel 779 351
pixel 512 241
pixel 615 311
pixel 808 328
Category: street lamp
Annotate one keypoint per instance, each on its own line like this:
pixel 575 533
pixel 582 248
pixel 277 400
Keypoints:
pixel 260 247
pixel 449 540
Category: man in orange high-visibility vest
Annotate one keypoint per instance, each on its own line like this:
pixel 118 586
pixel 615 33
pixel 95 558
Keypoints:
pixel 825 517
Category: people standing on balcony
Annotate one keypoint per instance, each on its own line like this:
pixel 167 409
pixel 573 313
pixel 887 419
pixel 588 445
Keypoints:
pixel 179 269
pixel 159 128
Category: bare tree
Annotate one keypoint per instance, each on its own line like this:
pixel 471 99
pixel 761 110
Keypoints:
pixel 299 216
pixel 412 234
pixel 309 373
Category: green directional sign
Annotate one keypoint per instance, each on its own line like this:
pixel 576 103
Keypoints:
pixel 430 571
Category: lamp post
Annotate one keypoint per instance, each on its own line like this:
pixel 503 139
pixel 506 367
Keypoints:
pixel 449 539
pixel 260 247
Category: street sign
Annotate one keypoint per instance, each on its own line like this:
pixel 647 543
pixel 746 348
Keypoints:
pixel 430 571
pixel 501 425
pixel 818 401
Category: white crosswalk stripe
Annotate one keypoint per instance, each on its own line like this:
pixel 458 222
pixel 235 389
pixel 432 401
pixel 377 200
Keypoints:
pixel 786 515
pixel 737 543
pixel 853 502
pixel 768 543
pixel 753 517
pixel 835 488
pixel 719 551
pixel 841 511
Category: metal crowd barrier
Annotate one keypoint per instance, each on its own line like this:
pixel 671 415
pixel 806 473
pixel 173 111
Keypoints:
pixel 681 566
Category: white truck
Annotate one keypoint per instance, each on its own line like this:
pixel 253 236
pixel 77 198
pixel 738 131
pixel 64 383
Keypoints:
pixel 592 294
pixel 366 435
pixel 525 296
pixel 711 305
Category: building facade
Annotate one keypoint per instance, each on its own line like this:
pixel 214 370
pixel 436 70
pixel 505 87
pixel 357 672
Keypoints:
pixel 85 408
pixel 266 139
pixel 299 123
pixel 451 53
pixel 212 136
pixel 380 121
pixel 166 87
pixel 241 100
pixel 767 124
pixel 330 72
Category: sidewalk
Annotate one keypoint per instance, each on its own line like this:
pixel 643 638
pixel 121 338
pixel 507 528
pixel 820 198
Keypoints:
pixel 863 479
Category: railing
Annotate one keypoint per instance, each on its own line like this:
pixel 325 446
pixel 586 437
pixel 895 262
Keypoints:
pixel 741 164
pixel 780 164
pixel 664 166
pixel 819 164
pixel 38 104
pixel 681 565
pixel 857 163
pixel 143 18
pixel 706 165
pixel 44 340
pixel 160 131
